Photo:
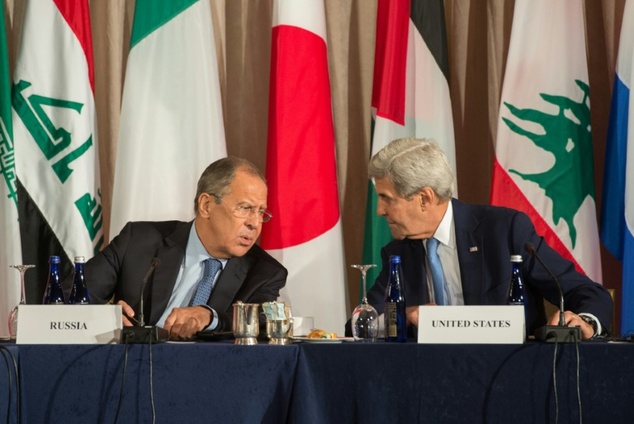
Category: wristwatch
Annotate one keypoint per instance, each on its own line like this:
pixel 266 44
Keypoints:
pixel 591 322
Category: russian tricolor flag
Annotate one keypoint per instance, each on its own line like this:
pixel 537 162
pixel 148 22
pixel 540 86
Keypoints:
pixel 617 209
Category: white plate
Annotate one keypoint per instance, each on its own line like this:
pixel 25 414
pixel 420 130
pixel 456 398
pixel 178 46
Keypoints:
pixel 308 340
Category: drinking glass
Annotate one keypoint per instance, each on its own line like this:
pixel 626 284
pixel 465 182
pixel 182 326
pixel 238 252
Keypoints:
pixel 365 319
pixel 13 316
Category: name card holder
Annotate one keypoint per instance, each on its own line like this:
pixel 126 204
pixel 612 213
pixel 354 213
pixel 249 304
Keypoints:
pixel 69 324
pixel 471 324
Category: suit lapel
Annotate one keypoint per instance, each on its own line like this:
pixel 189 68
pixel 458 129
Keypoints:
pixel 164 279
pixel 416 275
pixel 229 282
pixel 470 245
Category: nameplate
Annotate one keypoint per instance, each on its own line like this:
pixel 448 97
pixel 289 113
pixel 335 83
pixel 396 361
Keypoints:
pixel 471 324
pixel 69 324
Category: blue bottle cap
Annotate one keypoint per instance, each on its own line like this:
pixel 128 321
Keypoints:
pixel 395 259
pixel 54 259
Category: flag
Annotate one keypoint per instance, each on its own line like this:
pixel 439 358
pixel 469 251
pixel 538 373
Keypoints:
pixel 305 232
pixel 544 164
pixel 617 208
pixel 10 246
pixel 410 94
pixel 171 124
pixel 56 152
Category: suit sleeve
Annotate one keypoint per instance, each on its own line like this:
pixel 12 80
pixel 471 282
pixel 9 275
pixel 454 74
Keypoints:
pixel 102 270
pixel 263 284
pixel 376 294
pixel 581 294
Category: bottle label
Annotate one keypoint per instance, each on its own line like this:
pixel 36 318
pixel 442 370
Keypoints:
pixel 392 323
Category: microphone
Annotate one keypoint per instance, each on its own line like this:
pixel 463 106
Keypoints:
pixel 560 333
pixel 155 263
pixel 142 333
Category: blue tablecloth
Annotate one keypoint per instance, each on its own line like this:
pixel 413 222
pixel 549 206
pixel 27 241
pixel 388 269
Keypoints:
pixel 324 383
pixel 408 383
pixel 8 383
pixel 217 382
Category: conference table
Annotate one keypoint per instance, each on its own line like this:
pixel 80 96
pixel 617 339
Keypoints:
pixel 320 382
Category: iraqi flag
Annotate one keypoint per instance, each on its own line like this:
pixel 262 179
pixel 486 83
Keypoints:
pixel 56 152
pixel 305 232
pixel 617 209
pixel 544 164
pixel 410 94
pixel 171 124
pixel 10 253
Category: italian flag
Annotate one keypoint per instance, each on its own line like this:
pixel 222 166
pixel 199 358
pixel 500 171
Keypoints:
pixel 544 164
pixel 410 94
pixel 171 124
pixel 305 232
pixel 56 152
pixel 10 253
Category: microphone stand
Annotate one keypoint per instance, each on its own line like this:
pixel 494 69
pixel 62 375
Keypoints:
pixel 560 333
pixel 141 333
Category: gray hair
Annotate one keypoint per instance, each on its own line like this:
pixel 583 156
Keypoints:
pixel 412 164
pixel 218 176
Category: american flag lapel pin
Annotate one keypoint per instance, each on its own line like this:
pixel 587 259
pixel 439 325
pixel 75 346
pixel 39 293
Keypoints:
pixel 473 249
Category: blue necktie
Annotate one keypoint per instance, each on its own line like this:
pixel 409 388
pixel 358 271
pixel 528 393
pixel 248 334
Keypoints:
pixel 436 271
pixel 203 291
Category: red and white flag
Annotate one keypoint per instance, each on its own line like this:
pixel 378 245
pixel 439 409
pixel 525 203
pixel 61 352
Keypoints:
pixel 544 163
pixel 305 232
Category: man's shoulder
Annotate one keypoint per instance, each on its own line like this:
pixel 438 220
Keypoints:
pixel 144 234
pixel 486 213
pixel 261 257
pixel 163 228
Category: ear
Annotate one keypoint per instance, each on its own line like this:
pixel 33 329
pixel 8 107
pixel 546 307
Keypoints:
pixel 426 197
pixel 204 205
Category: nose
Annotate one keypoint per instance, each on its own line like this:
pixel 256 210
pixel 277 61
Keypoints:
pixel 253 221
pixel 381 210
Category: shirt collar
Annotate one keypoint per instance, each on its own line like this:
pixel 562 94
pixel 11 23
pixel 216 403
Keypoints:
pixel 195 251
pixel 445 231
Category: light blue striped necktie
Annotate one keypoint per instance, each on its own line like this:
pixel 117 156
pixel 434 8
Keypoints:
pixel 435 267
pixel 203 291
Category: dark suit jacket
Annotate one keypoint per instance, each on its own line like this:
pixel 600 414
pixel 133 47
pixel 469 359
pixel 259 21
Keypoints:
pixel 486 237
pixel 119 269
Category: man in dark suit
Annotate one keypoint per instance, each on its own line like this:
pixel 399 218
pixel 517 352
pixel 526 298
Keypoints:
pixel 414 183
pixel 230 208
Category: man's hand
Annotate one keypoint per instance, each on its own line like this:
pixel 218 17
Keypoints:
pixel 128 314
pixel 571 320
pixel 412 315
pixel 184 323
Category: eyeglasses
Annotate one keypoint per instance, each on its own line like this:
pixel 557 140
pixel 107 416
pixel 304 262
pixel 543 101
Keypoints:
pixel 244 212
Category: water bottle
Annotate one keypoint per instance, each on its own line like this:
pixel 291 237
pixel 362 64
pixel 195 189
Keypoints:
pixel 395 318
pixel 516 295
pixel 53 294
pixel 79 293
